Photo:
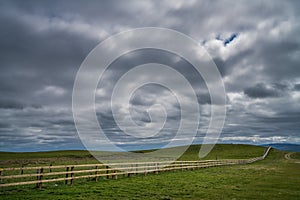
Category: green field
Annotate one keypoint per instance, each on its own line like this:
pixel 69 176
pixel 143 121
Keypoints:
pixel 273 178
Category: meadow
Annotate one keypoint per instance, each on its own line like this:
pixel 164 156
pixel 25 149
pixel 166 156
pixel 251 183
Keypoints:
pixel 273 178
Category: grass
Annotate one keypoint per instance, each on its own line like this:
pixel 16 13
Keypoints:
pixel 296 156
pixel 46 154
pixel 220 151
pixel 272 178
pixel 9 159
pixel 224 151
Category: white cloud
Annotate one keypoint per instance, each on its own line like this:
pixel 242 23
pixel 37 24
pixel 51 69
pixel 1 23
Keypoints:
pixel 51 91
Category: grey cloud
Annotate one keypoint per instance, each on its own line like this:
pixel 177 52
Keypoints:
pixel 4 125
pixel 13 104
pixel 290 118
pixel 6 104
pixel 204 98
pixel 44 43
pixel 142 99
pixel 260 90
pixel 297 87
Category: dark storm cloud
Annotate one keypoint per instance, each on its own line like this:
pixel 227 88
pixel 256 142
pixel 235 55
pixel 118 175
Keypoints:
pixel 13 104
pixel 260 90
pixel 277 59
pixel 204 98
pixel 140 100
pixel 290 119
pixel 37 53
pixel 4 125
pixel 297 87
pixel 6 104
pixel 42 44
pixel 228 65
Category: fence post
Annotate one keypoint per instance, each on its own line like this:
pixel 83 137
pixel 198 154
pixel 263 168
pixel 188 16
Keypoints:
pixel 50 168
pixel 41 178
pixel 107 176
pixel 22 168
pixel 1 175
pixel 72 175
pixel 129 171
pixel 67 175
pixel 90 173
pixel 156 168
pixel 96 173
pixel 115 176
pixel 37 177
pixel 112 172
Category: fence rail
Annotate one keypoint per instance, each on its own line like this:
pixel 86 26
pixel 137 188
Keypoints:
pixel 9 176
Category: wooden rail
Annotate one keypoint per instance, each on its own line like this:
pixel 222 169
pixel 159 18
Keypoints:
pixel 101 170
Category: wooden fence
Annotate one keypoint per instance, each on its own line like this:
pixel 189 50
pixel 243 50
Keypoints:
pixel 66 173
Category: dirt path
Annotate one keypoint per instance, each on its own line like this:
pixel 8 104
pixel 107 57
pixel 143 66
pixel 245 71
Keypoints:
pixel 288 157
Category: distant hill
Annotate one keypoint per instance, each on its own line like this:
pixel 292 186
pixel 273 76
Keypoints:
pixel 285 146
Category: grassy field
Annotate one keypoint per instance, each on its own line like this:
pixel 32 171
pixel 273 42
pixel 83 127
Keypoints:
pixel 273 178
pixel 220 151
pixel 295 156
pixel 8 159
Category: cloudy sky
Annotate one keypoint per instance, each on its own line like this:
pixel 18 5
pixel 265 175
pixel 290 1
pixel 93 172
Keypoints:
pixel 255 45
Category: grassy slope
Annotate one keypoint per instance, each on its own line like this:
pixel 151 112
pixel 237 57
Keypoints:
pixel 8 159
pixel 220 151
pixel 273 178
pixel 296 156
pixel 225 151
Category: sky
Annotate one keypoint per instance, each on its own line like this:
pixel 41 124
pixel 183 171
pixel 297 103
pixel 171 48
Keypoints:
pixel 255 45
